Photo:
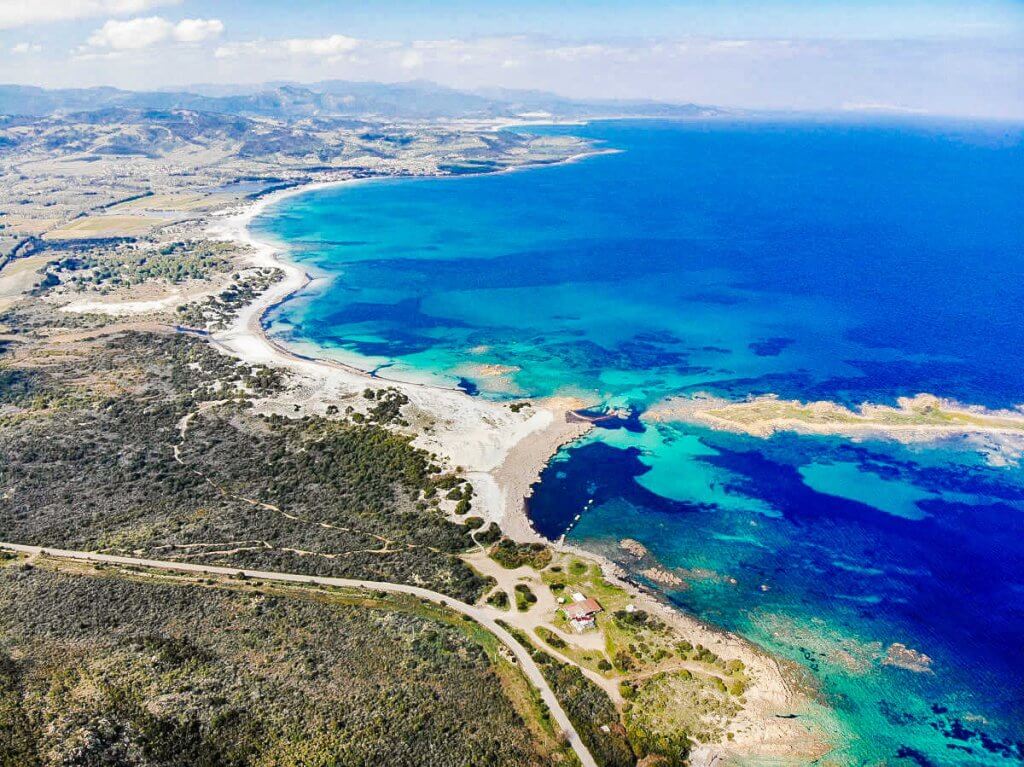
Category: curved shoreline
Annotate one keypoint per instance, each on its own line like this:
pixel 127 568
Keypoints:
pixel 268 255
pixel 496 447
pixel 236 228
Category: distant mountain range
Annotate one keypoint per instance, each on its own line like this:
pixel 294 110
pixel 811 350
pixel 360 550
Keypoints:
pixel 334 98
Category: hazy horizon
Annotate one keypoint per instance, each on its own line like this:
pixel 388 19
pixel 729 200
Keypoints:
pixel 946 57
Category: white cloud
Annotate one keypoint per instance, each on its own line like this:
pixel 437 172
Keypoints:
pixel 411 60
pixel 876 107
pixel 578 52
pixel 133 34
pixel 197 30
pixel 22 49
pixel 322 46
pixel 332 48
pixel 136 34
pixel 21 13
pixel 727 45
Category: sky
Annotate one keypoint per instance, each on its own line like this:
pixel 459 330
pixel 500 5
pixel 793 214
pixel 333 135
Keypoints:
pixel 943 57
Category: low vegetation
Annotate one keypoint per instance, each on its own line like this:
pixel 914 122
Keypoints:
pixel 665 705
pixel 97 469
pixel 105 670
pixel 588 707
pixel 511 555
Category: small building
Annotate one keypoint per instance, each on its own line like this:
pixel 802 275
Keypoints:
pixel 582 614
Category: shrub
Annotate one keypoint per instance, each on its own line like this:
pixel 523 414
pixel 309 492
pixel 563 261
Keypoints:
pixel 551 638
pixel 490 535
pixel 524 597
pixel 498 599
pixel 511 555
pixel 624 661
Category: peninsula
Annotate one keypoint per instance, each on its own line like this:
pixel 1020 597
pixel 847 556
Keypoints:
pixel 923 417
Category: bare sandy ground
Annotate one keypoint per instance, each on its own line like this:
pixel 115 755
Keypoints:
pixel 18 277
pixel 146 299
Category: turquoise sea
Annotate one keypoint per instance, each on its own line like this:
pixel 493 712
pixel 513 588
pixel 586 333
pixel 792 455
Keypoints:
pixel 814 260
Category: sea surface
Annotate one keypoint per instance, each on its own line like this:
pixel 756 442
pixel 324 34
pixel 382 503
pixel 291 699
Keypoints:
pixel 813 260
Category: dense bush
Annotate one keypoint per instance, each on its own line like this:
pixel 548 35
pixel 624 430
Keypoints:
pixel 498 599
pixel 101 474
pixel 107 671
pixel 589 708
pixel 127 264
pixel 511 555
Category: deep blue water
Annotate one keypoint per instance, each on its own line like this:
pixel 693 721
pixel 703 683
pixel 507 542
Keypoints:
pixel 810 260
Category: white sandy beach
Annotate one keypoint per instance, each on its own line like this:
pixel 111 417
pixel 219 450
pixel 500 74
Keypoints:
pixel 501 451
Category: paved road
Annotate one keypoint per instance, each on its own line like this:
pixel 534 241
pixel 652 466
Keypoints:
pixel 526 663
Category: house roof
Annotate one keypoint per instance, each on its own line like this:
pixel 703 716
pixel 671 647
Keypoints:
pixel 582 609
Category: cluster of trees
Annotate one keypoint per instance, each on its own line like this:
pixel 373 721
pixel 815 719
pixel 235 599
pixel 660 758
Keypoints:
pixel 524 597
pixel 511 555
pixel 195 370
pixel 387 407
pixel 638 619
pixel 498 599
pixel 127 265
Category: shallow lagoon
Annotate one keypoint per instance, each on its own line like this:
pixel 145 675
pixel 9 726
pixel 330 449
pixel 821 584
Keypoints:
pixel 847 262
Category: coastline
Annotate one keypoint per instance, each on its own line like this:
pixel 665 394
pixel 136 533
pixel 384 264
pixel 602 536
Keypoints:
pixel 503 453
pixel 779 719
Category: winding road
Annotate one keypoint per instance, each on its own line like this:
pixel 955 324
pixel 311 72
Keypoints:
pixel 526 663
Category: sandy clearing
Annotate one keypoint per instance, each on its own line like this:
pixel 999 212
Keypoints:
pixel 159 298
pixel 18 277
pixel 105 226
